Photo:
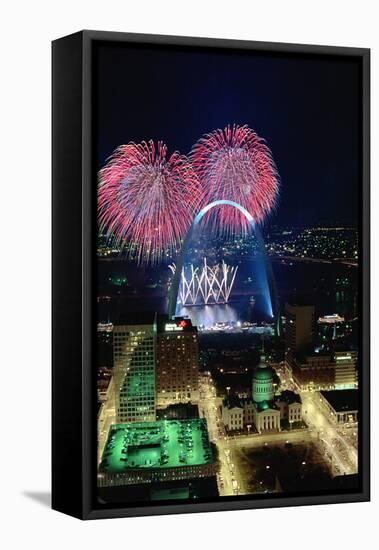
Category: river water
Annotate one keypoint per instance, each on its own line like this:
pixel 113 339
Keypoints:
pixel 315 283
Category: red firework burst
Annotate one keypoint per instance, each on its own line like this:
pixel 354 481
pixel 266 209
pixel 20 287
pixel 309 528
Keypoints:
pixel 146 200
pixel 235 164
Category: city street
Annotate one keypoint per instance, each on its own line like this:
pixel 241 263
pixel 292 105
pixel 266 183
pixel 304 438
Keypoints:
pixel 339 445
pixel 232 448
pixel 236 447
pixel 108 417
pixel 209 408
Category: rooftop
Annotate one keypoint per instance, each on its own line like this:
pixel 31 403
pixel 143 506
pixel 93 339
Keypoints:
pixel 173 326
pixel 161 444
pixel 342 400
pixel 233 400
pixel 178 411
pixel 289 397
pixel 263 373
pixel 136 318
pixel 265 405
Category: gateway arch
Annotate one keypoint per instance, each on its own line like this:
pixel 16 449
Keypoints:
pixel 271 285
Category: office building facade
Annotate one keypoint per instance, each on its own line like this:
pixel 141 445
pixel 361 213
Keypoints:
pixel 326 371
pixel 177 372
pixel 134 354
pixel 300 330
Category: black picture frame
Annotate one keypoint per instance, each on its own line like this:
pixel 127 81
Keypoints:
pixel 73 273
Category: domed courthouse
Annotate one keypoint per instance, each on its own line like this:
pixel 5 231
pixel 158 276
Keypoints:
pixel 264 409
pixel 266 413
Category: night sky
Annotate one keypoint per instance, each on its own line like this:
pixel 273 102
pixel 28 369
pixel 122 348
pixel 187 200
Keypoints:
pixel 307 109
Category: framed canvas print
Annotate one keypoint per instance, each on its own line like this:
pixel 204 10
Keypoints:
pixel 210 275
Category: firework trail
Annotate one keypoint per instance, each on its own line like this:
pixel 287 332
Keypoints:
pixel 147 200
pixel 235 164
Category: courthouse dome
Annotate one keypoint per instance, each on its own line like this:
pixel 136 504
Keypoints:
pixel 263 371
pixel 263 389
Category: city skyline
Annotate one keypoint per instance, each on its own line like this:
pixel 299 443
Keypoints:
pixel 241 379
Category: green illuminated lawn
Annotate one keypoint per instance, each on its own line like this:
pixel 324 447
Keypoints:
pixel 162 444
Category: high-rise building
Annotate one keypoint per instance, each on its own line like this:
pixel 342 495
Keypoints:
pixel 314 371
pixel 347 295
pixel 346 370
pixel 134 342
pixel 327 371
pixel 177 372
pixel 300 330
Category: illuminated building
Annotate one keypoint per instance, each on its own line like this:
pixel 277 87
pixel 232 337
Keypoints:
pixel 334 327
pixel 290 406
pixel 313 372
pixel 346 372
pixel 326 371
pixel 263 386
pixel 266 413
pixel 331 319
pixel 342 405
pixel 104 327
pixel 104 339
pixel 105 384
pixel 265 409
pixel 134 342
pixel 177 369
pixel 165 450
pixel 234 410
